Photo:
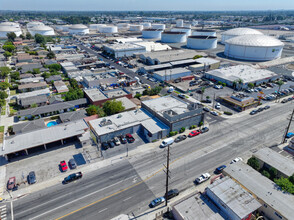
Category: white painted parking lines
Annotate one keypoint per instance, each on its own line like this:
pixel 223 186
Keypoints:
pixel 102 210
pixel 4 206
pixel 3 212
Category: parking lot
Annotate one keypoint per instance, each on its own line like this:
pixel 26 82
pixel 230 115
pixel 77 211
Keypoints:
pixel 46 164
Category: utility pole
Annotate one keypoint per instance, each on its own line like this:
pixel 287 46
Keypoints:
pixel 167 174
pixel 288 127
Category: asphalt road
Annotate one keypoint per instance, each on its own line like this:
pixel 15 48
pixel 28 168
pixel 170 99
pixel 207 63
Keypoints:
pixel 128 186
pixel 118 67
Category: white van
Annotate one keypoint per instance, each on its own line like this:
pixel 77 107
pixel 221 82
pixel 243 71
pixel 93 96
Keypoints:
pixel 166 142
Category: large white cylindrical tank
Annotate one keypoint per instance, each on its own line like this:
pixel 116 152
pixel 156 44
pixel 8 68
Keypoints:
pixel 254 48
pixel 78 29
pixel 204 32
pixel 95 27
pixel 123 26
pixel 34 24
pixel 182 29
pixel 146 25
pixel 173 37
pixel 136 27
pixel 202 42
pixel 65 28
pixel 158 26
pixel 238 32
pixel 43 30
pixel 10 24
pixel 179 23
pixel 108 29
pixel 152 33
pixel 4 30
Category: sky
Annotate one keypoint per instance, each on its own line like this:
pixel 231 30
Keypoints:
pixel 146 5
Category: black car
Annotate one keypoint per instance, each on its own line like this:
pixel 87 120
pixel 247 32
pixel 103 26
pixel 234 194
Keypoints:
pixel 205 129
pixel 284 100
pixel 111 144
pixel 72 177
pixel 260 109
pixel 266 107
pixel 172 193
pixel 253 112
pixel 123 139
pixel 182 96
pixel 32 177
pixel 72 163
pixel 180 138
pixel 104 146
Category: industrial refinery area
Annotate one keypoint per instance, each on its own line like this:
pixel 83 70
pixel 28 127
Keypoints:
pixel 146 115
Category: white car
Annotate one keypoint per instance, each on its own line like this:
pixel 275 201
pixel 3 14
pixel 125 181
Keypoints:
pixel 214 113
pixel 236 160
pixel 116 141
pixel 202 178
pixel 217 106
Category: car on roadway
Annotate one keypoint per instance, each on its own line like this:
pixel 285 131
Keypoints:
pixel 11 183
pixel 194 133
pixel 104 145
pixel 32 177
pixel 63 166
pixel 72 163
pixel 171 194
pixel 214 113
pixel 266 107
pixel 182 96
pixel 217 106
pixel 284 100
pixel 253 112
pixel 237 159
pixel 219 169
pixel 217 86
pixel 260 109
pixel 130 138
pixel 206 109
pixel 180 138
pixel 204 177
pixel 289 135
pixel 111 144
pixel 72 177
pixel 123 139
pixel 205 129
pixel 116 141
pixel 156 202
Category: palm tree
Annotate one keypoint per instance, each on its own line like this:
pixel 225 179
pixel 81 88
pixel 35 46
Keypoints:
pixel 250 85
pixel 202 92
pixel 279 83
pixel 240 82
pixel 234 84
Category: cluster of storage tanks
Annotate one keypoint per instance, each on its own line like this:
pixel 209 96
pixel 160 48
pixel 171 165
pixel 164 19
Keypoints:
pixel 8 27
pixel 36 27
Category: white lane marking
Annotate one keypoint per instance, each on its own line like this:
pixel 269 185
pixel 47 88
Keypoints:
pixel 11 207
pixel 44 213
pixel 3 215
pixel 280 151
pixel 127 199
pixel 3 209
pixel 102 210
pixel 2 206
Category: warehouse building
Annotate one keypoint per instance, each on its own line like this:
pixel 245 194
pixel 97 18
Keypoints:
pixel 231 76
pixel 171 74
pixel 276 204
pixel 232 199
pixel 123 50
pixel 175 112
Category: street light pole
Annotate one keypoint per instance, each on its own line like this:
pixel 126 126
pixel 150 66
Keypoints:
pixel 288 127
pixel 167 175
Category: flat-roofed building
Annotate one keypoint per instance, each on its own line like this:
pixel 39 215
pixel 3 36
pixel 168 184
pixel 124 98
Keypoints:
pixel 171 74
pixel 121 50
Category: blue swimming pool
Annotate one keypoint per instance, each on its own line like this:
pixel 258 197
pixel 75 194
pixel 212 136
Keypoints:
pixel 51 123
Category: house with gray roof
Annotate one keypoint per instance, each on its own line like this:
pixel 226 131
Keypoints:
pixel 73 116
pixel 53 78
pixel 55 99
pixel 28 101
pixel 28 126
pixel 32 86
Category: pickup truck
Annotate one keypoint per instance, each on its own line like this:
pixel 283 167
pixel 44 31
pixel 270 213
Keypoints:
pixel 72 177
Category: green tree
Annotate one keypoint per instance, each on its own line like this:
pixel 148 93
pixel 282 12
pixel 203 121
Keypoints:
pixel 4 85
pixel 95 110
pixel 138 95
pixel 197 56
pixel 266 174
pixel 285 184
pixel 36 71
pixel 240 82
pixel 202 92
pixel 54 67
pixel 40 39
pixel 250 85
pixel 7 54
pixel 254 163
pixel 22 36
pixel 50 55
pixel 4 71
pixel 2 102
pixel 46 75
pixel 11 36
pixel 112 107
pixel 3 95
pixel 273 172
pixel 74 94
pixel 29 36
pixel 34 105
pixel 8 47
pixel 291 178
pixel 14 75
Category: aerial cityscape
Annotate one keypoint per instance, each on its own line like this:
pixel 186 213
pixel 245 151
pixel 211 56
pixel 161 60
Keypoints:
pixel 147 110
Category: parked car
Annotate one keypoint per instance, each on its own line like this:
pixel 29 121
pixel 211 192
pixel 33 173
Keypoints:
pixel 104 146
pixel 266 107
pixel 180 138
pixel 289 135
pixel 130 138
pixel 284 100
pixel 123 139
pixel 260 109
pixel 11 183
pixel 194 133
pixel 32 177
pixel 182 96
pixel 63 166
pixel 72 163
pixel 206 109
pixel 111 144
pixel 217 86
pixel 214 113
pixel 156 202
pixel 166 142
pixel 205 129
pixel 204 177
pixel 116 141
pixel 253 112
pixel 219 169
pixel 171 194
pixel 72 177
pixel 237 159
pixel 217 106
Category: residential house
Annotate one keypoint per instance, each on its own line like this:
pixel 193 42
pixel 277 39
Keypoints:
pixel 60 86
pixel 32 86
pixel 28 101
pixel 55 99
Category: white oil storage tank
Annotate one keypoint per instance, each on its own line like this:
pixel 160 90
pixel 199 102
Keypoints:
pixel 254 48
pixel 204 32
pixel 43 30
pixel 95 27
pixel 152 33
pixel 108 29
pixel 238 32
pixel 202 42
pixel 4 30
pixel 158 26
pixel 136 27
pixel 146 25
pixel 78 29
pixel 173 37
pixel 179 23
pixel 123 26
pixel 34 24
pixel 182 29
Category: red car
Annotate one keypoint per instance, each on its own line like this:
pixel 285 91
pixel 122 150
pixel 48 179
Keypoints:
pixel 63 166
pixel 11 183
pixel 194 133
pixel 130 138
